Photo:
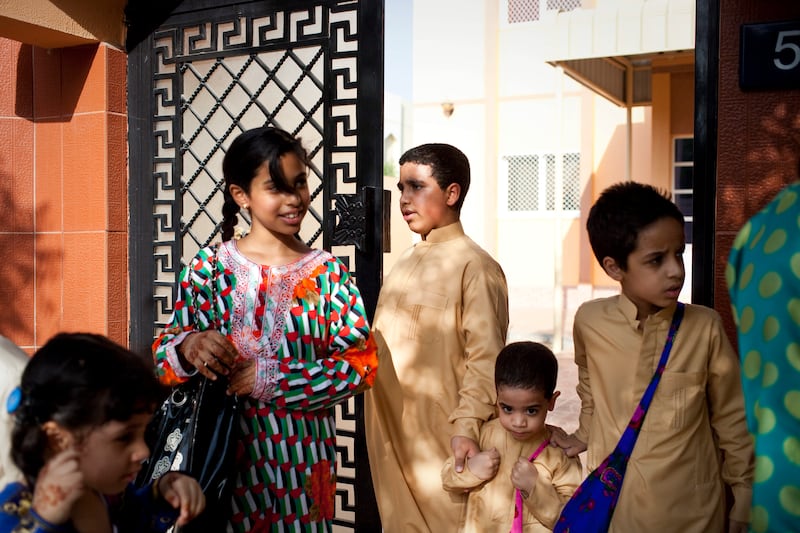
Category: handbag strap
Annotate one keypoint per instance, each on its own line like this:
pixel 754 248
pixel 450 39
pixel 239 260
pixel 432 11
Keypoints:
pixel 628 438
pixel 516 525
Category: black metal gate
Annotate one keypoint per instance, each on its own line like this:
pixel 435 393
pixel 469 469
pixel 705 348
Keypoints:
pixel 202 72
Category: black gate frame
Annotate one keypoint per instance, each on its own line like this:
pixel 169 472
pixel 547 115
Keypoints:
pixel 362 217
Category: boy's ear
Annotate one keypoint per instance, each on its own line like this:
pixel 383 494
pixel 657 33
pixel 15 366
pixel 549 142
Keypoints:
pixel 452 194
pixel 552 402
pixel 612 268
pixel 58 437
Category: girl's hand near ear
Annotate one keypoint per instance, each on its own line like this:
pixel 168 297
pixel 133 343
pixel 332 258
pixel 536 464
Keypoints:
pixel 58 487
pixel 182 492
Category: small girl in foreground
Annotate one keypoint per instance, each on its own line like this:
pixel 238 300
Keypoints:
pixel 80 415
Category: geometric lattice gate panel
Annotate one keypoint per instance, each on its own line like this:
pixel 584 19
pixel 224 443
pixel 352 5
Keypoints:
pixel 202 76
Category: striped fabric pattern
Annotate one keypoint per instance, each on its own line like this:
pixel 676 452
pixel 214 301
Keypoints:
pixel 307 321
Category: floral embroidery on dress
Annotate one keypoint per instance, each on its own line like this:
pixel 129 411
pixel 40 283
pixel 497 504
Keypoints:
pixel 364 358
pixel 321 488
pixel 307 288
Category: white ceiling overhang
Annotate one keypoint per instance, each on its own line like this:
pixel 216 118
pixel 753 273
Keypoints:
pixel 614 48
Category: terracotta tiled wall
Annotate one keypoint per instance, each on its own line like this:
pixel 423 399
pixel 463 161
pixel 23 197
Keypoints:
pixel 759 137
pixel 63 188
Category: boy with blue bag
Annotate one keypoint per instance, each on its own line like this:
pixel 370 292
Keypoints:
pixel 687 439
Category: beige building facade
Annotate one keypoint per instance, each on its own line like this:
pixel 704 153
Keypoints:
pixel 552 102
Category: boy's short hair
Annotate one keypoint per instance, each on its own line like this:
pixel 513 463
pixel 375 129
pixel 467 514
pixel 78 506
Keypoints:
pixel 621 212
pixel 448 165
pixel 527 365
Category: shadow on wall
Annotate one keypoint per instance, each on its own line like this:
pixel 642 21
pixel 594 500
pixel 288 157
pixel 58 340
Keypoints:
pixel 772 163
pixel 49 87
pixel 26 259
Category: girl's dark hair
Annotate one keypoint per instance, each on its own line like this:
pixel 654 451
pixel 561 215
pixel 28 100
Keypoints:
pixel 246 155
pixel 527 365
pixel 79 380
pixel 448 165
pixel 620 213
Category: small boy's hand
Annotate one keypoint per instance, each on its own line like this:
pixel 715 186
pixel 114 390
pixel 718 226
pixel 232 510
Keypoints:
pixel 58 487
pixel 737 527
pixel 571 445
pixel 184 492
pixel 463 448
pixel 524 476
pixel 485 464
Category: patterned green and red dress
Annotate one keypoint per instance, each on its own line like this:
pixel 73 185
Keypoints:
pixel 305 326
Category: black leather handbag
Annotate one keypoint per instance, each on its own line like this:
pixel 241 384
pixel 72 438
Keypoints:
pixel 194 432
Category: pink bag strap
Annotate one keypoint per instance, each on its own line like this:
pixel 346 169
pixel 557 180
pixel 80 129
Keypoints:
pixel 516 525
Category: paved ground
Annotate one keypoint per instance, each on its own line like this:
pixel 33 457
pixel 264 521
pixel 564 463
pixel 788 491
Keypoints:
pixel 532 317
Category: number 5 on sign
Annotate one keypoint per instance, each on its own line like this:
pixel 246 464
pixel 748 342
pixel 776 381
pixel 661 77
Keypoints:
pixel 769 57
pixel 783 44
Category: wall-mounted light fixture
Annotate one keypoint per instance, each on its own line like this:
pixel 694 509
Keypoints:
pixel 448 108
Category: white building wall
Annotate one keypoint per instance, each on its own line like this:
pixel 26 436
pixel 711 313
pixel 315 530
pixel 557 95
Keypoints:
pixel 505 103
pixel 450 42
pixel 508 101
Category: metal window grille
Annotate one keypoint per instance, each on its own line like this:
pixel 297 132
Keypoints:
pixel 531 182
pixel 563 5
pixel 522 11
pixel 572 182
pixel 529 10
pixel 523 183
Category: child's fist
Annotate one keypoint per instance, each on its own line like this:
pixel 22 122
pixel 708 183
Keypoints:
pixel 524 476
pixel 485 464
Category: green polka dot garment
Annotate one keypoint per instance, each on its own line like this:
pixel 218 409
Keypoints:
pixel 763 276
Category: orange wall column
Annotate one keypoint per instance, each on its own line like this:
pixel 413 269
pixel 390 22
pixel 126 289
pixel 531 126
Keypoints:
pixel 69 227
pixel 16 193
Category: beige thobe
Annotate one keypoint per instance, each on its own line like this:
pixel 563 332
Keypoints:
pixel 441 320
pixel 490 506
pixel 694 436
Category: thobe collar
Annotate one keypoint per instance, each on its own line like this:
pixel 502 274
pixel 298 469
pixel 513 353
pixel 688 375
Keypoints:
pixel 628 309
pixel 446 233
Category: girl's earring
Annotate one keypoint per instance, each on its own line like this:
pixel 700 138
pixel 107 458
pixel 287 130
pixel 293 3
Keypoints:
pixel 246 206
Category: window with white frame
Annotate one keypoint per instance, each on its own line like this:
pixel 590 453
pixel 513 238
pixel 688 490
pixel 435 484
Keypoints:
pixel 528 10
pixel 683 180
pixel 531 184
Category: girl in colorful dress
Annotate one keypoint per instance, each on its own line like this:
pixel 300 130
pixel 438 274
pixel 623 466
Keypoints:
pixel 285 325
pixel 79 421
